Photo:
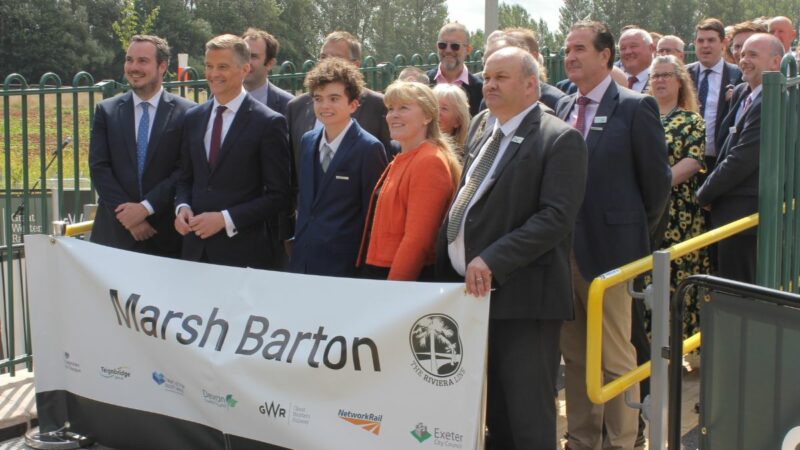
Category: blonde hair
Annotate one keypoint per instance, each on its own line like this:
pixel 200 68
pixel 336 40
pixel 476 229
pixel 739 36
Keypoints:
pixel 237 45
pixel 458 98
pixel 422 95
pixel 687 100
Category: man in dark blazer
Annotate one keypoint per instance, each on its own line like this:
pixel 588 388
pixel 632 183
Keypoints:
pixel 627 190
pixel 263 56
pixel 453 47
pixel 509 230
pixel 235 166
pixel 370 114
pixel 731 190
pixel 712 78
pixel 339 166
pixel 134 154
pixel 636 49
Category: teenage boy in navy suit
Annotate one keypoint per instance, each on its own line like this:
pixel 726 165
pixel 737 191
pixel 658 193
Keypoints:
pixel 339 166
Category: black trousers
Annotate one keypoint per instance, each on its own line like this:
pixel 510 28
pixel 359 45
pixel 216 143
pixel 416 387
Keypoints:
pixel 736 258
pixel 523 365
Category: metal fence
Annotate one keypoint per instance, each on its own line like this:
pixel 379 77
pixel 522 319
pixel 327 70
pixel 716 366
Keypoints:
pixel 779 184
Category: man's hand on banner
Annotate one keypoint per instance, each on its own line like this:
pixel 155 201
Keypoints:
pixel 207 224
pixel 478 278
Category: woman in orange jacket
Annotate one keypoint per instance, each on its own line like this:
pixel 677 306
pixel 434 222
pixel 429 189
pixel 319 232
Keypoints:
pixel 413 194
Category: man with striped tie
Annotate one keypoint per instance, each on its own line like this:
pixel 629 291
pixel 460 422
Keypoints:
pixel 509 232
pixel 133 156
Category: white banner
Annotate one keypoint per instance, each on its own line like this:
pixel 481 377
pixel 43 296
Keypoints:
pixel 299 361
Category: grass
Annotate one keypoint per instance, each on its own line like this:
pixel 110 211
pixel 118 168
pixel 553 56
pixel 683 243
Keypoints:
pixel 16 134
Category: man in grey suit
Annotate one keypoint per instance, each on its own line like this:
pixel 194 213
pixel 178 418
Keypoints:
pixel 627 190
pixel 134 154
pixel 263 56
pixel 371 112
pixel 509 230
pixel 731 190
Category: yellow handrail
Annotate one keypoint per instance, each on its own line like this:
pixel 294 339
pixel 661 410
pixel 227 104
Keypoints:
pixel 599 393
pixel 74 229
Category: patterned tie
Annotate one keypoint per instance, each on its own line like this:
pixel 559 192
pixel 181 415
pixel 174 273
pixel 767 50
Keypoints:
pixel 327 156
pixel 580 122
pixel 216 136
pixel 142 135
pixel 468 191
pixel 702 91
pixel 631 81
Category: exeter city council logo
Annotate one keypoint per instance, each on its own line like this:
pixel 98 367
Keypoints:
pixel 437 350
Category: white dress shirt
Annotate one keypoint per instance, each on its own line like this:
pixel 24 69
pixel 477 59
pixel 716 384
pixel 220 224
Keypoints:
pixel 596 96
pixel 457 250
pixel 137 118
pixel 227 119
pixel 641 80
pixel 334 144
pixel 712 101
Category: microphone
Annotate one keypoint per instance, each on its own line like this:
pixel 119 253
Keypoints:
pixel 56 152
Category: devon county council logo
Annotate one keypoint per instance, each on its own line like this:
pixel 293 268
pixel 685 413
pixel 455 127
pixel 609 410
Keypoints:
pixel 420 432
pixel 436 346
pixel 158 377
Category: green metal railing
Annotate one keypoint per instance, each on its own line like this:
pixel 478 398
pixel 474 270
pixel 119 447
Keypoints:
pixel 779 185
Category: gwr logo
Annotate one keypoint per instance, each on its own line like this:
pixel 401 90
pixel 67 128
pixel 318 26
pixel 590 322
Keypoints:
pixel 272 409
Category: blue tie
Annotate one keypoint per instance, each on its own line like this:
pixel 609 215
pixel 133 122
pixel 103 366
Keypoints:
pixel 141 141
pixel 702 91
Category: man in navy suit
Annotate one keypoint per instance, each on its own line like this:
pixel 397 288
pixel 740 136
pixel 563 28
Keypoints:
pixel 453 47
pixel 134 155
pixel 263 56
pixel 712 76
pixel 731 190
pixel 235 169
pixel 627 189
pixel 339 166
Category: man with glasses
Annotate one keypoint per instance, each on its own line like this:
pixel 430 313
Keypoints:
pixel 370 113
pixel 453 47
pixel 671 45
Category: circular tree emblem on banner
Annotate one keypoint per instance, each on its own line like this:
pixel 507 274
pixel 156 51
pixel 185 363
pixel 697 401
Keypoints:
pixel 436 344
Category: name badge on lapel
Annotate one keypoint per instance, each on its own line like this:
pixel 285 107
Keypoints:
pixel 732 130
pixel 342 177
pixel 517 139
pixel 596 128
pixel 600 119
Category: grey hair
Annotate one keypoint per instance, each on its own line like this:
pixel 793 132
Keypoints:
pixel 638 32
pixel 676 39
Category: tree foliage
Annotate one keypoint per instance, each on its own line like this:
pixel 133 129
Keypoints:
pixel 131 23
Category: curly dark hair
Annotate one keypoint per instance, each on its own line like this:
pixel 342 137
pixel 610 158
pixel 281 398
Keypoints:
pixel 336 70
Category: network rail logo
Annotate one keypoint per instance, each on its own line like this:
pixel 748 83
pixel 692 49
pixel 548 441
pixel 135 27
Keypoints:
pixel 366 421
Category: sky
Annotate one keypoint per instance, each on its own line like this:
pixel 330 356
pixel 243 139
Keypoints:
pixel 470 12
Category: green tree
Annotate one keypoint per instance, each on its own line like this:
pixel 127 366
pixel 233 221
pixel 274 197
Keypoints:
pixel 514 16
pixel 131 23
pixel 572 11
pixel 41 36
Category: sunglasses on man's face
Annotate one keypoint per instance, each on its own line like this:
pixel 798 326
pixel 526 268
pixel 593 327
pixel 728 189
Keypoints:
pixel 455 46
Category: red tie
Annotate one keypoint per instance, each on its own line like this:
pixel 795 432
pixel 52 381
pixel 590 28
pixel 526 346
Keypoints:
pixel 216 136
pixel 580 122
pixel 631 82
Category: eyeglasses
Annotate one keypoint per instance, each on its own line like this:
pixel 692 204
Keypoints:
pixel 667 51
pixel 662 75
pixel 455 46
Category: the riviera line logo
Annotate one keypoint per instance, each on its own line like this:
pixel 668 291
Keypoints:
pixel 169 384
pixel 366 421
pixel 118 373
pixel 420 432
pixel 221 401
pixel 436 346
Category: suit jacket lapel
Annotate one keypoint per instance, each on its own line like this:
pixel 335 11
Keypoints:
pixel 529 125
pixel 606 109
pixel 342 153
pixel 308 187
pixel 128 120
pixel 566 108
pixel 163 115
pixel 469 157
pixel 238 125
